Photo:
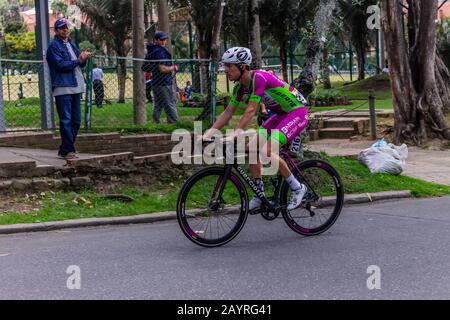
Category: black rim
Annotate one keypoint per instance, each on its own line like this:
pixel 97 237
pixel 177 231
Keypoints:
pixel 320 208
pixel 211 223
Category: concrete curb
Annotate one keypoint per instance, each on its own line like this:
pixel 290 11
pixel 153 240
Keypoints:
pixel 156 217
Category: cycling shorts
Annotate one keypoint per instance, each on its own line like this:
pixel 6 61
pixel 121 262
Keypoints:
pixel 284 128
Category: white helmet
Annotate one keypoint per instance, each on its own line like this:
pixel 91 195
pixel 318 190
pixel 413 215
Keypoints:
pixel 238 55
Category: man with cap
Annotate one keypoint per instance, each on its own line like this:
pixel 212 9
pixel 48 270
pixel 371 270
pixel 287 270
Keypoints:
pixel 65 62
pixel 161 67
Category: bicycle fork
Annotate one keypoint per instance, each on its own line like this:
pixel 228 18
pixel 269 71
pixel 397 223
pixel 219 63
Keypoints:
pixel 216 198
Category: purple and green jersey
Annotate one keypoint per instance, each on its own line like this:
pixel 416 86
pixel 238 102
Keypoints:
pixel 287 104
pixel 277 95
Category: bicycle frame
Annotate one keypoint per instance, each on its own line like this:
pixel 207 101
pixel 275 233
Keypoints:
pixel 248 180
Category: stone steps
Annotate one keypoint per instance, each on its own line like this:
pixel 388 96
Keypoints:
pixel 352 114
pixel 78 173
pixel 336 133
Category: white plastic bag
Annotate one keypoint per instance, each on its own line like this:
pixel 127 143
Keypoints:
pixel 387 159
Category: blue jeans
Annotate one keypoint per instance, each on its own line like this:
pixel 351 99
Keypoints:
pixel 164 100
pixel 69 111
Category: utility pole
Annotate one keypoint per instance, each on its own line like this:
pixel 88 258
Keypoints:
pixel 42 42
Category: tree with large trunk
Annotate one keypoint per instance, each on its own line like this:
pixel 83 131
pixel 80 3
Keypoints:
pixel 112 23
pixel 255 33
pixel 207 17
pixel 354 17
pixel 419 78
pixel 236 23
pixel 306 82
pixel 163 21
pixel 282 20
pixel 140 110
pixel 216 32
pixel 214 54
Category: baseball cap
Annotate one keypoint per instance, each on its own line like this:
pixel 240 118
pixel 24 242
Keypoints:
pixel 61 23
pixel 160 35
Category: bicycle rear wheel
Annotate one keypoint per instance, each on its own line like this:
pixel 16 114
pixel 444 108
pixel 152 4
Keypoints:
pixel 207 219
pixel 321 204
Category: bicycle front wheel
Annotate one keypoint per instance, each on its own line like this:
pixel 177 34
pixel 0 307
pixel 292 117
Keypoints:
pixel 322 203
pixel 206 217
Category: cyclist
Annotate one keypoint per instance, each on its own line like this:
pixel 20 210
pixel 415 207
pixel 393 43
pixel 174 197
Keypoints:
pixel 289 121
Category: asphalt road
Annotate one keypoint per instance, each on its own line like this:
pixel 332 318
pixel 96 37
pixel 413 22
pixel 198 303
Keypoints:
pixel 408 240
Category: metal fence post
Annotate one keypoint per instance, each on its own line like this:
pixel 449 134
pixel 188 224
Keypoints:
pixel 42 42
pixel 88 101
pixel 212 70
pixel 351 62
pixel 191 49
pixel 373 116
pixel 2 105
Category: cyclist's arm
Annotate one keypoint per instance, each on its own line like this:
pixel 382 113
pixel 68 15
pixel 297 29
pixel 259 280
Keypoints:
pixel 250 112
pixel 223 120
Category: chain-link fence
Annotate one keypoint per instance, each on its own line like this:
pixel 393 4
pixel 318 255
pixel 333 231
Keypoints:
pixel 108 103
pixel 170 96
pixel 342 67
pixel 20 97
pixel 180 96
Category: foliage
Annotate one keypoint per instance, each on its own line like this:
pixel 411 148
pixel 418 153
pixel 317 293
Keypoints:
pixel 283 20
pixel 14 27
pixel 59 7
pixel 325 95
pixel 9 12
pixel 20 46
pixel 86 45
pixel 112 22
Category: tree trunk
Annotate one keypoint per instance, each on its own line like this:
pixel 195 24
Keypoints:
pixel 215 47
pixel 326 70
pixel 418 77
pixel 122 78
pixel 306 81
pixel 163 22
pixel 255 33
pixel 361 56
pixel 139 97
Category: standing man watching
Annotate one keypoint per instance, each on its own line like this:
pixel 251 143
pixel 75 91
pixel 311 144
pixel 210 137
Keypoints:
pixel 99 89
pixel 162 83
pixel 65 62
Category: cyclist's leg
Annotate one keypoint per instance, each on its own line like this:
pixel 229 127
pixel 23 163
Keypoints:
pixel 289 128
pixel 256 168
pixel 263 134
pixel 283 132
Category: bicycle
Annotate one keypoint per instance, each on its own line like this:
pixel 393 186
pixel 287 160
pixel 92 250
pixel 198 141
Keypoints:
pixel 212 206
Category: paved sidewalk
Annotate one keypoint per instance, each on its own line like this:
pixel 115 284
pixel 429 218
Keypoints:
pixel 40 156
pixel 429 165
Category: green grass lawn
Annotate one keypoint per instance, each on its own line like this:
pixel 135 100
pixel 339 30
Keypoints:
pixel 379 104
pixel 87 204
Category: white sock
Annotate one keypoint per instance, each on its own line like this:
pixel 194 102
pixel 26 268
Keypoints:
pixel 293 183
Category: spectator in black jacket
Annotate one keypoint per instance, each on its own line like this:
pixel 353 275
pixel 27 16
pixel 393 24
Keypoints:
pixel 161 68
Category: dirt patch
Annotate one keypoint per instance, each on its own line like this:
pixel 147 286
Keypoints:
pixel 20 204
